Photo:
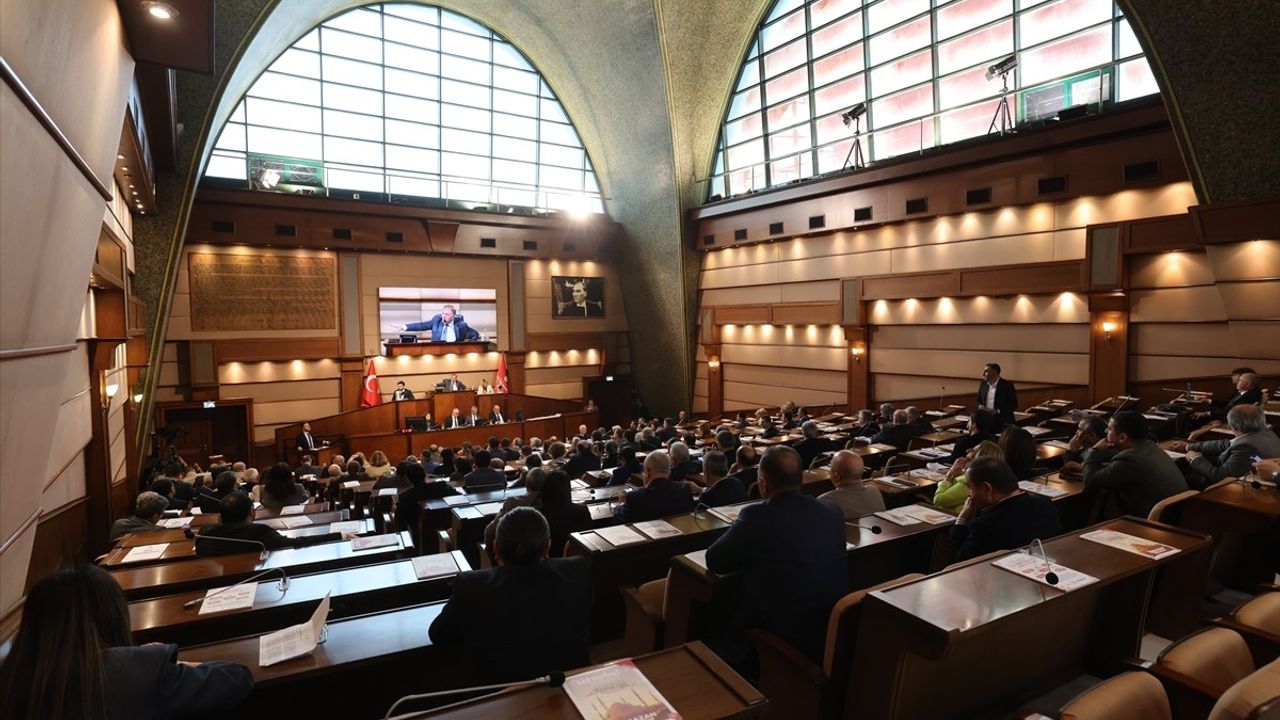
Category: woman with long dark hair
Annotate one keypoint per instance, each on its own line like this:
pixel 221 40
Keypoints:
pixel 74 657
pixel 281 490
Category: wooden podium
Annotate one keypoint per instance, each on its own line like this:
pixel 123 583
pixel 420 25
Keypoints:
pixel 443 403
pixel 435 348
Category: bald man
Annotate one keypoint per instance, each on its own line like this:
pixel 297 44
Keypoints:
pixel 854 496
pixel 660 497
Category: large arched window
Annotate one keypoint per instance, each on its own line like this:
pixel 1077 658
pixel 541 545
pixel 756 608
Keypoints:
pixel 407 103
pixel 921 68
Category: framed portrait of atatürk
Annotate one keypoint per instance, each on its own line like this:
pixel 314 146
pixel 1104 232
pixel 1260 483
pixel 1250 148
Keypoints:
pixel 577 297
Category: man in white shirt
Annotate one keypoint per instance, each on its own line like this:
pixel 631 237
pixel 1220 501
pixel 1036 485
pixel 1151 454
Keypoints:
pixel 997 394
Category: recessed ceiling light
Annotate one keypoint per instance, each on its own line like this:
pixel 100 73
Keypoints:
pixel 159 10
pixel 124 168
pixel 119 157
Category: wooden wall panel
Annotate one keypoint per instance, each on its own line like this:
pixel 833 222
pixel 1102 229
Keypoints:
pixel 1039 278
pixel 1179 339
pixel 1057 337
pixel 1159 234
pixel 59 540
pixel 279 391
pixel 743 314
pixel 1251 300
pixel 1063 368
pixel 1194 304
pixel 1254 339
pixel 827 380
pixel 1171 269
pixel 265 372
pixel 1034 248
pixel 276 350
pixel 783 357
pixel 742 396
pixel 805 313
pixel 892 288
pixel 1251 260
pixel 1150 368
pixel 1060 308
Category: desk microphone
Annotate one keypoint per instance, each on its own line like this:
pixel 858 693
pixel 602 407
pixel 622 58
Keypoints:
pixel 554 680
pixel 284 586
pixel 1050 576
pixel 875 529
pixel 198 537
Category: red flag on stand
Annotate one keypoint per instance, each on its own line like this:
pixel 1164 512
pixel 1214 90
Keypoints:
pixel 370 396
pixel 502 384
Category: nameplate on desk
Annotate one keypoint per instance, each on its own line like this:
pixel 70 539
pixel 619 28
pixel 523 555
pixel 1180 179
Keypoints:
pixel 374 541
pixel 295 522
pixel 617 690
pixel 576 484
pixel 1032 486
pixel 438 565
pixel 1130 543
pixel 898 482
pixel 294 641
pixel 292 509
pixel 345 526
pixel 657 529
pixel 620 535
pixel 144 552
pixel 1031 566
pixel 932 452
pixel 351 484
pixel 456 500
pixel 235 597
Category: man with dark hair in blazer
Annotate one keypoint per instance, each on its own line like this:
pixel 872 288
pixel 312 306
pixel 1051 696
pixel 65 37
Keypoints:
pixel 452 384
pixel 305 440
pixel 550 631
pixel 237 524
pixel 475 419
pixel 998 515
pixel 402 392
pixel 997 394
pixel 791 552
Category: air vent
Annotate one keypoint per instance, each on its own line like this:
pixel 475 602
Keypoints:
pixel 395 237
pixel 530 244
pixel 862 214
pixel 917 205
pixel 1046 186
pixel 287 230
pixel 775 228
pixel 568 247
pixel 708 239
pixel 488 242
pixel 223 226
pixel 817 221
pixel 342 233
pixel 977 196
pixel 740 234
pixel 1141 171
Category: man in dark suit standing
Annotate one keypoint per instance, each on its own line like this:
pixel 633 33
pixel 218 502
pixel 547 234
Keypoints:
pixel 790 550
pixel 997 394
pixel 402 392
pixel 659 497
pixel 551 631
pixel 305 440
pixel 998 515
pixel 446 327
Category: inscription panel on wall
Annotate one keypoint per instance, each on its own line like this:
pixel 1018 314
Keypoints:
pixel 261 292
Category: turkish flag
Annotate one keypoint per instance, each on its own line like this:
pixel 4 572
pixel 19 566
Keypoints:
pixel 502 382
pixel 370 396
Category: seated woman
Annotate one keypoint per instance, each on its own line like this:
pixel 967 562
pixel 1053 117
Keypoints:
pixel 280 490
pixel 1019 450
pixel 562 514
pixel 378 466
pixel 952 491
pixel 74 656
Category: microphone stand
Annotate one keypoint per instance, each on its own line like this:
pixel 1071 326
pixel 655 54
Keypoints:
pixel 284 586
pixel 554 680
pixel 198 537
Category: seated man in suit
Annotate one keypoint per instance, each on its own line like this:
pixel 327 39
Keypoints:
pixel 746 466
pixel 496 416
pixel 813 443
pixel 486 476
pixel 1218 459
pixel 168 489
pixel 865 426
pixel 146 516
pixel 659 497
pixel 790 550
pixel 1131 464
pixel 997 394
pixel 918 421
pixel 527 617
pixel 402 392
pixel 886 414
pixel 682 465
pixel 898 434
pixel 243 534
pixel 852 494
pixel 420 488
pixel 1089 431
pixel 998 515
pixel 447 326
pixel 982 426
pixel 475 419
pixel 722 488
pixel 583 459
pixel 306 467
pixel 456 420
pixel 209 500
pixel 1248 392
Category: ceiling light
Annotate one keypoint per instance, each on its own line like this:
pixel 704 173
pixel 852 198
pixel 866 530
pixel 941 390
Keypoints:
pixel 119 157
pixel 159 10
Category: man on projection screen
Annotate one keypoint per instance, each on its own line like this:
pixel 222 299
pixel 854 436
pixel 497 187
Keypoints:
pixel 446 327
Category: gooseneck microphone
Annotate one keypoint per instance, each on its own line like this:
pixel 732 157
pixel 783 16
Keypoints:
pixel 875 529
pixel 266 552
pixel 1050 576
pixel 284 586
pixel 555 680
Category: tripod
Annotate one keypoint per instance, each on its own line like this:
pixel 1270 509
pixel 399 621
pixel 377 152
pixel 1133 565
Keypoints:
pixel 855 150
pixel 1002 116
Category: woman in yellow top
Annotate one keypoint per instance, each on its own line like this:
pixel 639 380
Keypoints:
pixel 952 491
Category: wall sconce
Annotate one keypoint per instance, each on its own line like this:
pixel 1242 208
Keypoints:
pixel 856 352
pixel 112 389
pixel 137 398
pixel 713 363
pixel 1108 328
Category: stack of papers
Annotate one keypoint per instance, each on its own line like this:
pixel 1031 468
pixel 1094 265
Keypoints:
pixel 698 557
pixel 429 566
pixel 617 690
pixel 345 526
pixel 178 522
pixel 657 529
pixel 1037 431
pixel 374 541
pixel 295 521
pixel 385 492
pixel 294 641
pixel 1175 455
pixel 729 513
pixel 915 514
pixel 292 509
pixel 351 484
pixel 620 535
pixel 932 452
pixel 1131 543
pixel 144 552
pixel 234 597
pixel 1035 568
pixel 1032 486
pixel 456 500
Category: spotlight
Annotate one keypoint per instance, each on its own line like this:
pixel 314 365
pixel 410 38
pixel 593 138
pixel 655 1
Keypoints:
pixel 854 113
pixel 1002 118
pixel 1003 67
pixel 854 116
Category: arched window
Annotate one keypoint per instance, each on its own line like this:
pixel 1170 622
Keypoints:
pixel 921 68
pixel 407 103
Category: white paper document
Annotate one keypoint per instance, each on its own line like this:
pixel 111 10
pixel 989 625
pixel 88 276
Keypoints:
pixel 1049 491
pixel 698 557
pixel 1175 455
pixel 1035 568
pixel 657 528
pixel 196 511
pixel 914 514
pixel 374 541
pixel 295 522
pixel 294 641
pixel 429 566
pixel 292 509
pixel 456 500
pixel 144 552
pixel 385 492
pixel 1131 543
pixel 236 597
pixel 620 535
pixel 178 522
pixel 1037 431
pixel 345 526
pixel 728 513
pixel 617 690
pixel 351 484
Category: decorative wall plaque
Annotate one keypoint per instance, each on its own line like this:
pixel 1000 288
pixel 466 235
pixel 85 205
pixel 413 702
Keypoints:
pixel 262 292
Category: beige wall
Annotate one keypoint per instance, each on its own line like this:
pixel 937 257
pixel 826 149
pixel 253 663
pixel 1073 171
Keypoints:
pixel 71 55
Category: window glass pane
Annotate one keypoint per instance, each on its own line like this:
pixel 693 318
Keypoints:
pixel 1136 80
pixel 837 35
pixel 786 86
pixel 560 177
pixel 788 113
pixel 789 141
pixel 900 41
pixel 1128 41
pixel 310 41
pixel 518 80
pixel 354 152
pixel 461 93
pixel 910 138
pixel 514 149
pixel 785 58
pixel 822 12
pixel 839 65
pixel 406 108
pixel 412 83
pixel 841 96
pixel 902 73
pixel 349 45
pixel 414 159
pixel 517 103
pixel 504 54
pixel 792 168
pixel 352 125
pixel 743 129
pixel 894 109
pixel 515 172
pixel 412 33
pixel 750 74
pixel 412 134
pixel 473 71
pixel 270 141
pixel 350 72
pixel 522 127
pixel 416 59
pixel 959 17
pixel 971 121
pixel 298 62
pixel 747 153
pixel 454 21
pixel 984 46
pixel 556 133
pixel 465 117
pixel 289 116
pixel 227 166
pixel 967 86
pixel 891 12
pixel 562 156
pixel 285 87
pixel 343 97
pixel 745 102
pixel 468 166
pixel 1060 18
pixel 831 157
pixel 232 137
pixel 469 46
pixel 782 7
pixel 367 22
pixel 777 33
pixel 551 110
pixel 1063 57
pixel 464 141
pixel 416 186
pixel 350 178
pixel 237 115
pixel 832 128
